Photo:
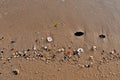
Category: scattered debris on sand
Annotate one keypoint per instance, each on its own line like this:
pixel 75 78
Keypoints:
pixel 49 54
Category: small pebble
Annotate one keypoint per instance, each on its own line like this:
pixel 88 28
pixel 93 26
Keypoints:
pixel 13 54
pixel 94 48
pixel 87 66
pixel 34 47
pixel 91 58
pixel 9 58
pixel 59 69
pixel 42 38
pixel 69 53
pixel 61 50
pixel 45 47
pixel 27 58
pixel 81 66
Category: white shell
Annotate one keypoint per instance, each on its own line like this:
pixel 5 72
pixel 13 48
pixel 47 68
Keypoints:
pixel 80 50
pixel 49 39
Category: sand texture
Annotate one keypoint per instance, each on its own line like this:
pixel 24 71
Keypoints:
pixel 38 41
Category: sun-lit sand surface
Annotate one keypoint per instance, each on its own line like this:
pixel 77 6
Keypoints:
pixel 26 24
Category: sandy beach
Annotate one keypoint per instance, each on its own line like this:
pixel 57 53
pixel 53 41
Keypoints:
pixel 59 40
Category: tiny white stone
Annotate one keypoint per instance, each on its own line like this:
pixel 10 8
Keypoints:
pixel 8 58
pixel 45 47
pixel 94 47
pixel 112 52
pixel 34 47
pixel 61 50
pixel 49 39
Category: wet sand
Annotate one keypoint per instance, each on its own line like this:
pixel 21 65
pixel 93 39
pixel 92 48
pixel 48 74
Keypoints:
pixel 25 23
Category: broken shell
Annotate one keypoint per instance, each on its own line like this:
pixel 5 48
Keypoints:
pixel 49 39
pixel 16 71
pixel 80 50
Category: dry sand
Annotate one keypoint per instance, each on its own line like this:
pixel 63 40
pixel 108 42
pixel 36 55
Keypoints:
pixel 22 22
